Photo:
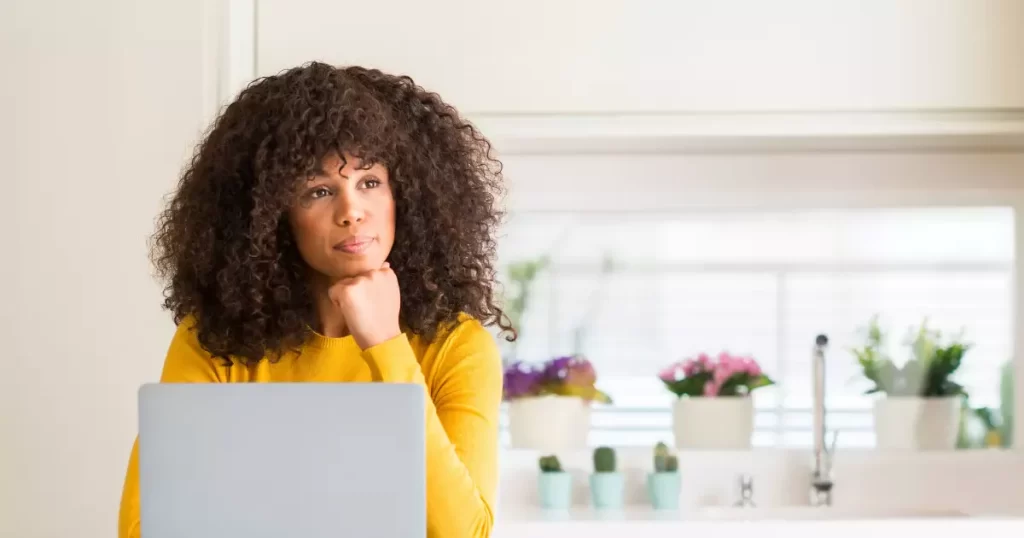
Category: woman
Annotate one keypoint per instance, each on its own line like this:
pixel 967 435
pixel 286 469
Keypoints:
pixel 338 225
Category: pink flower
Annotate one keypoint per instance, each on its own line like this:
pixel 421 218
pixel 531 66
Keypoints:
pixel 690 367
pixel 711 388
pixel 722 373
pixel 705 362
pixel 671 373
pixel 751 367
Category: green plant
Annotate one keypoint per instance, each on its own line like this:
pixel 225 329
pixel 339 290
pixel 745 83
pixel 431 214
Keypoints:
pixel 664 461
pixel 1006 403
pixel 926 374
pixel 604 460
pixel 521 275
pixel 550 464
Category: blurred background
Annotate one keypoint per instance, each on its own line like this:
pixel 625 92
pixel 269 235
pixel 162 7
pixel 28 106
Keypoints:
pixel 685 177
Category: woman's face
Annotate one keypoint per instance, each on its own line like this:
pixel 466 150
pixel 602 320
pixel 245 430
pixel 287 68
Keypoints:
pixel 344 218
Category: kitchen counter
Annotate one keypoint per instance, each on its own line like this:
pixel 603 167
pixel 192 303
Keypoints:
pixel 794 521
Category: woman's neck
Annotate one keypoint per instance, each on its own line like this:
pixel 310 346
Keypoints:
pixel 328 319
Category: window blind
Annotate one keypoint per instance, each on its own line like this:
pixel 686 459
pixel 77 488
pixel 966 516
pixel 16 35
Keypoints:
pixel 635 292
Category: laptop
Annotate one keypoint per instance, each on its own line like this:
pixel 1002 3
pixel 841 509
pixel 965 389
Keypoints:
pixel 249 460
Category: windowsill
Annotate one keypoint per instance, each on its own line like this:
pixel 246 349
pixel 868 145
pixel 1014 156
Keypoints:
pixel 973 481
pixel 795 522
pixel 627 454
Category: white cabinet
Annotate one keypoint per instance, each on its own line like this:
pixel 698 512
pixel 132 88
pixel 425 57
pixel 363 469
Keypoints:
pixel 669 56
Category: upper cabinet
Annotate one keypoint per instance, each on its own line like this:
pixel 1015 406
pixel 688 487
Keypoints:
pixel 637 57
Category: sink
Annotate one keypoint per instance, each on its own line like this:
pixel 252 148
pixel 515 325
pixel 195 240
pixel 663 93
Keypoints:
pixel 728 513
pixel 795 521
pixel 789 513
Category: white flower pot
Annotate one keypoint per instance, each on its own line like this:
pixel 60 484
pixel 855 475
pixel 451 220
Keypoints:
pixel 549 424
pixel 914 423
pixel 713 423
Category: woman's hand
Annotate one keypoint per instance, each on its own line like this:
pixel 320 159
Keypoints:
pixel 370 303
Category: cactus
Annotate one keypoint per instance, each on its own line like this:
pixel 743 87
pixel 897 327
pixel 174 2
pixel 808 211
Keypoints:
pixel 604 460
pixel 550 464
pixel 664 461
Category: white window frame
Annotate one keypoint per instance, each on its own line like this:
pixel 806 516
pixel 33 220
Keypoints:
pixel 793 180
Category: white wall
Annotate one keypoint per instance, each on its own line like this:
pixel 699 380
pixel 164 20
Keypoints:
pixel 102 101
pixel 537 56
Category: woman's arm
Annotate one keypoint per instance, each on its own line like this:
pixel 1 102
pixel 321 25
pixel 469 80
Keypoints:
pixel 461 425
pixel 186 362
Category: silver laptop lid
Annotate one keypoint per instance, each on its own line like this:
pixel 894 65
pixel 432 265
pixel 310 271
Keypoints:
pixel 234 460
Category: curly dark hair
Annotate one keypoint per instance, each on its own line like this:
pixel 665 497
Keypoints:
pixel 225 249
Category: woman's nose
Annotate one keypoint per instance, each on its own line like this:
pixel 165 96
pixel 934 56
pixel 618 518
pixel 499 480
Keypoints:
pixel 349 211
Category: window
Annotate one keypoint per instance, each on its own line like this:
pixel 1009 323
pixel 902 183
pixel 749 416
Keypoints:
pixel 634 292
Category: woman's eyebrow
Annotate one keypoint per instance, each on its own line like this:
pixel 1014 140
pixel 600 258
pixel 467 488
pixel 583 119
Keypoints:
pixel 320 173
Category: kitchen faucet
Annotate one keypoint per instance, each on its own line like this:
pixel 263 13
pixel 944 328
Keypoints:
pixel 821 479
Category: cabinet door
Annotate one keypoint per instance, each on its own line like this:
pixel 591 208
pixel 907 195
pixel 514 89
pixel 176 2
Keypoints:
pixel 637 56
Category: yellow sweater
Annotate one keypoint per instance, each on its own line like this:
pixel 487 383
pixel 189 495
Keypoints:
pixel 461 370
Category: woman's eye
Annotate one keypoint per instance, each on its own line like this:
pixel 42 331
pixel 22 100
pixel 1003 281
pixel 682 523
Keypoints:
pixel 319 192
pixel 372 182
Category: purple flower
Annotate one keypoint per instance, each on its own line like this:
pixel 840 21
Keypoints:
pixel 521 380
pixel 557 370
pixel 576 371
pixel 563 376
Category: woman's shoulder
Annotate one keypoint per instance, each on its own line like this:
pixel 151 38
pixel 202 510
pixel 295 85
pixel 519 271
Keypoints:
pixel 463 339
pixel 187 360
pixel 466 331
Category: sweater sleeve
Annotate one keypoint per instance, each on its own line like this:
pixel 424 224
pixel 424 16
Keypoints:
pixel 186 362
pixel 461 425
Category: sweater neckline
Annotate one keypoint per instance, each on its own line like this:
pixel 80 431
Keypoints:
pixel 322 341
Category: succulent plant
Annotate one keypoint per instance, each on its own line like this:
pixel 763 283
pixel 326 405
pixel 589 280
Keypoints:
pixel 664 461
pixel 929 371
pixel 604 460
pixel 550 464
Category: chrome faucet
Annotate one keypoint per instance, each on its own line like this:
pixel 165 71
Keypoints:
pixel 821 479
pixel 746 491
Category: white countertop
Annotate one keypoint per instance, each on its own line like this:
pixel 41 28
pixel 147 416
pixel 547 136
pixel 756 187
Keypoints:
pixel 794 521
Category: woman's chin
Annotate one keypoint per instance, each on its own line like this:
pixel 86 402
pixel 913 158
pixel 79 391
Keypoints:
pixel 356 268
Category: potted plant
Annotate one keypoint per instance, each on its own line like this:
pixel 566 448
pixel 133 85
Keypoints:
pixel 554 485
pixel 663 483
pixel 1006 403
pixel 606 482
pixel 922 404
pixel 521 277
pixel 549 404
pixel 714 408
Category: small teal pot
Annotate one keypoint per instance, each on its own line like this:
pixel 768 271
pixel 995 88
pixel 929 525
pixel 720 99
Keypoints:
pixel 606 490
pixel 555 490
pixel 663 490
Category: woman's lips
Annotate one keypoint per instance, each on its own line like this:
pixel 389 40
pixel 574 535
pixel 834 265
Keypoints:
pixel 354 245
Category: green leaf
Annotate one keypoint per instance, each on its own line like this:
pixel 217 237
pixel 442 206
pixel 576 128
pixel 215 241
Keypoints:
pixel 689 386
pixel 587 393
